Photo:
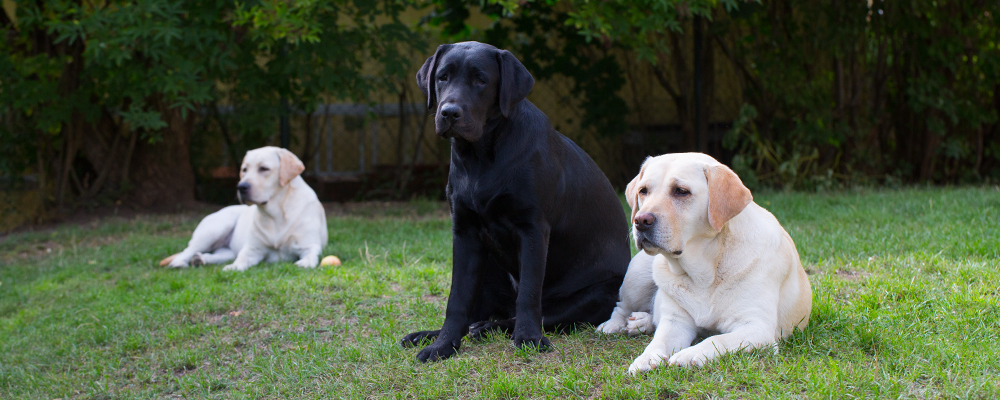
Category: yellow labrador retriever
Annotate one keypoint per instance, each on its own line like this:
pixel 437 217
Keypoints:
pixel 712 261
pixel 281 219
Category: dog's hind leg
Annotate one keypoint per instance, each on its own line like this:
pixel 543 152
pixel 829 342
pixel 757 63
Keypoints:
pixel 416 338
pixel 618 322
pixel 309 257
pixel 636 296
pixel 481 329
pixel 589 305
pixel 212 233
pixel 640 323
pixel 494 310
pixel 219 256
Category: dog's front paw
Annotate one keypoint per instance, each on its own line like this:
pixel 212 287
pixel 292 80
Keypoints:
pixel 610 327
pixel 415 338
pixel 177 262
pixel 197 261
pixel 540 344
pixel 645 362
pixel 437 351
pixel 692 356
pixel 307 263
pixel 640 323
pixel 235 267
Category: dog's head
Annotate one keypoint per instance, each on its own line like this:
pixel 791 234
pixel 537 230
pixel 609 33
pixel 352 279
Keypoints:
pixel 266 171
pixel 678 197
pixel 469 83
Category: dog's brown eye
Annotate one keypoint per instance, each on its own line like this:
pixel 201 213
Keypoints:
pixel 264 169
pixel 643 191
pixel 443 78
pixel 681 192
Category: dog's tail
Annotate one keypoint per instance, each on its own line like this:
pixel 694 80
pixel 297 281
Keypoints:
pixel 165 261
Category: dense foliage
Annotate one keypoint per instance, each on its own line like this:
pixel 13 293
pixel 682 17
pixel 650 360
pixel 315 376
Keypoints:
pixel 95 95
pixel 99 100
pixel 834 91
pixel 907 90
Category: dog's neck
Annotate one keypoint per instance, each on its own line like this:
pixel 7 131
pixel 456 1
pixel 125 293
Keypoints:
pixel 700 259
pixel 704 255
pixel 492 123
pixel 274 209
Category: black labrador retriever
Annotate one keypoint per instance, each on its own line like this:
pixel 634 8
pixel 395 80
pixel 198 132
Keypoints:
pixel 540 239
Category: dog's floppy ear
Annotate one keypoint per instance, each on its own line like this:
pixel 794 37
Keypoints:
pixel 515 81
pixel 727 196
pixel 290 166
pixel 426 77
pixel 632 193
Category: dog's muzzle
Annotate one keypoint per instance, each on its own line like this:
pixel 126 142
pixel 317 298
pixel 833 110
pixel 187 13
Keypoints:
pixel 447 134
pixel 643 242
pixel 243 192
pixel 642 224
pixel 447 117
pixel 647 242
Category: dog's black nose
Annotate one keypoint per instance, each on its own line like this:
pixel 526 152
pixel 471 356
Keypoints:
pixel 644 221
pixel 451 111
pixel 243 187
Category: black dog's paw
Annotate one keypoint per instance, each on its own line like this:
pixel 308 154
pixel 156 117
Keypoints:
pixel 437 351
pixel 481 329
pixel 416 338
pixel 540 345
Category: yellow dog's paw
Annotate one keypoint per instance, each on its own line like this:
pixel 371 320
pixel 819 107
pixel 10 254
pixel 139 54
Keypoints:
pixel 610 327
pixel 691 357
pixel 644 363
pixel 640 323
pixel 234 267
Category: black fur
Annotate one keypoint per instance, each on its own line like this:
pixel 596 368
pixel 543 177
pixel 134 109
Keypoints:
pixel 540 240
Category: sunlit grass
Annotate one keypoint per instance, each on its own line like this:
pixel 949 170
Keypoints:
pixel 905 305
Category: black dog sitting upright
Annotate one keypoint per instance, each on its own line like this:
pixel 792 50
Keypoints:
pixel 538 232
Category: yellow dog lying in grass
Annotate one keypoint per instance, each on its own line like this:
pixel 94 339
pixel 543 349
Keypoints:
pixel 712 260
pixel 281 218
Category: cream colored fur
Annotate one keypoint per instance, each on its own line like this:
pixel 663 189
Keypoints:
pixel 282 219
pixel 716 262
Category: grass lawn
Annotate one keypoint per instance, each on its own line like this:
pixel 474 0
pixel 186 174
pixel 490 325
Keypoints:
pixel 905 305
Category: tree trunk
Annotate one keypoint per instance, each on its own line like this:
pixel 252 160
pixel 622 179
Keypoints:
pixel 684 93
pixel 928 148
pixel 69 82
pixel 707 95
pixel 161 172
pixel 104 148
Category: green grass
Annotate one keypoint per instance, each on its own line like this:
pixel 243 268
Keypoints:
pixel 905 305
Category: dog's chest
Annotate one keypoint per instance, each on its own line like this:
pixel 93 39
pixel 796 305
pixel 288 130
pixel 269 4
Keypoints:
pixel 279 240
pixel 495 223
pixel 702 303
pixel 280 247
pixel 494 214
pixel 488 196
